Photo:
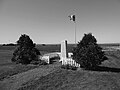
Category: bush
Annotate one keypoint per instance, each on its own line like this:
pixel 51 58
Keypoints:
pixel 35 62
pixel 25 51
pixel 88 53
pixel 41 62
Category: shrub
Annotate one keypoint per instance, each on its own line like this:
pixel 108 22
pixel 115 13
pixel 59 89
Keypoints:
pixel 35 62
pixel 88 53
pixel 40 62
pixel 25 51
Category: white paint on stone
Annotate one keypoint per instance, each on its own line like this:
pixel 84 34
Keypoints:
pixel 46 59
pixel 64 53
pixel 70 55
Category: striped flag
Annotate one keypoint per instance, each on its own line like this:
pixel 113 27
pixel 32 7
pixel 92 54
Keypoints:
pixel 72 17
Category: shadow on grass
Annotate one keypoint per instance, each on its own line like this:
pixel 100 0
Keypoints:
pixel 105 69
pixel 54 59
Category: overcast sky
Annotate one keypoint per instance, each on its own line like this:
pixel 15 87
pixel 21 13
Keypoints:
pixel 47 21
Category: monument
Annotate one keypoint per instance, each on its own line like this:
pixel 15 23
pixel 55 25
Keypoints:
pixel 64 53
pixel 66 58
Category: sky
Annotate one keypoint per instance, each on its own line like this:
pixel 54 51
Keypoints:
pixel 47 21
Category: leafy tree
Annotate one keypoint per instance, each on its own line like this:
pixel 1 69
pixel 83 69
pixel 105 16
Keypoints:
pixel 88 53
pixel 25 51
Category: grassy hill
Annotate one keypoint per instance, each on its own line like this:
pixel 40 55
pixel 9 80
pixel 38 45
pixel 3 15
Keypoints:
pixel 106 77
pixel 76 80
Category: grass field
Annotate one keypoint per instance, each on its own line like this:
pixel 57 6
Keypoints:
pixel 6 54
pixel 107 77
pixel 75 80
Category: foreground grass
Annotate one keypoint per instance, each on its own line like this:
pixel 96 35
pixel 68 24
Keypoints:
pixel 10 70
pixel 75 80
pixel 65 79
pixel 16 81
pixel 106 78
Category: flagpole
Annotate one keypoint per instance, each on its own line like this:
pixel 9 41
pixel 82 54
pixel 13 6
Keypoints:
pixel 75 32
pixel 72 18
pixel 75 23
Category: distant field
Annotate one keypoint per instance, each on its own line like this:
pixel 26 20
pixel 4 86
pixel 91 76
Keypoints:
pixel 11 48
pixel 5 56
pixel 56 47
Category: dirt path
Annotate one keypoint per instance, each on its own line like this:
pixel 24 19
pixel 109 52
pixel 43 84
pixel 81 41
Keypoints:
pixel 15 81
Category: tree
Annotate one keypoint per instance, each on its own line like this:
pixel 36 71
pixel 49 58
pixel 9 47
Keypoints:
pixel 88 53
pixel 25 51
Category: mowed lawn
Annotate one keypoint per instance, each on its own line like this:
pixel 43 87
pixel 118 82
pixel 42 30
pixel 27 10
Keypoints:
pixel 106 77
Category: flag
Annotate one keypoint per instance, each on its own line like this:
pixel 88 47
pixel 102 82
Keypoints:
pixel 72 17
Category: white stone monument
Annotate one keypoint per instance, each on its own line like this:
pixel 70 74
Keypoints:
pixel 64 53
pixel 66 58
